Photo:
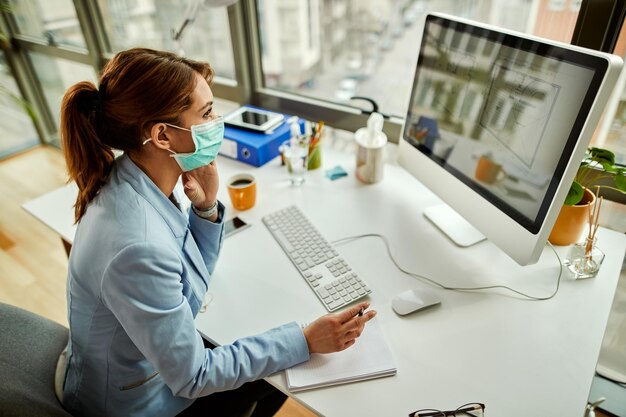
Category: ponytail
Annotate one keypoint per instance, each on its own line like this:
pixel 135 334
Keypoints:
pixel 88 160
pixel 138 87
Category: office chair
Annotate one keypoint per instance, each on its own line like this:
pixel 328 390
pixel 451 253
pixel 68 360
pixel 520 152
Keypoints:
pixel 30 346
pixel 29 349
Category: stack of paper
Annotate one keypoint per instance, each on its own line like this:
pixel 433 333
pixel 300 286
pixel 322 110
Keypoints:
pixel 368 358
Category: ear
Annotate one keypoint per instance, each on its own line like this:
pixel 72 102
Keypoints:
pixel 160 136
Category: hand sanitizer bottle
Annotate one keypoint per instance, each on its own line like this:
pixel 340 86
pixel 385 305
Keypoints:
pixel 370 155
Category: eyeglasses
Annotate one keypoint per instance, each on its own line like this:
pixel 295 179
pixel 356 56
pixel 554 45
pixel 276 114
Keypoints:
pixel 466 410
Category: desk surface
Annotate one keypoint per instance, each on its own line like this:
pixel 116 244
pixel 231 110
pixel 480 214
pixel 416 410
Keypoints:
pixel 518 357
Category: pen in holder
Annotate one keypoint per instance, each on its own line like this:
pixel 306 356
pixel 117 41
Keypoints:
pixel 315 147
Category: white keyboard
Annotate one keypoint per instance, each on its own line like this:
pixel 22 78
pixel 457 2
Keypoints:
pixel 329 276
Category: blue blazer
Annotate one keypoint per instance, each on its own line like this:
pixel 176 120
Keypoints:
pixel 138 273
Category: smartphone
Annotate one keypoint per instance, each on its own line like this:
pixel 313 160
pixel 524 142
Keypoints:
pixel 254 119
pixel 234 225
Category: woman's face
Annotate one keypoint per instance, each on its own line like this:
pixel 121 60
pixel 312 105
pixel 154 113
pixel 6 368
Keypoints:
pixel 201 111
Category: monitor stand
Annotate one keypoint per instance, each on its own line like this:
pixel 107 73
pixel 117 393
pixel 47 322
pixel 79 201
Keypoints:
pixel 453 225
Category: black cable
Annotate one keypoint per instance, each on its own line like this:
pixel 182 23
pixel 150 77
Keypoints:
pixel 413 274
pixel 374 106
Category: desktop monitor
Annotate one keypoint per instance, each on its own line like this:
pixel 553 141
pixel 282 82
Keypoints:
pixel 497 124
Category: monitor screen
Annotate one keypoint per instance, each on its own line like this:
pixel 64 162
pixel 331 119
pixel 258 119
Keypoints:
pixel 502 112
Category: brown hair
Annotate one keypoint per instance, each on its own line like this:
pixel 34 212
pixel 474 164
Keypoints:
pixel 138 87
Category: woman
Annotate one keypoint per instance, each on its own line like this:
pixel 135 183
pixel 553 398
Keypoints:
pixel 140 267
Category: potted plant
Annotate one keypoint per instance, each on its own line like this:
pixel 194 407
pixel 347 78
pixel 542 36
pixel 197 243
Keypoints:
pixel 597 166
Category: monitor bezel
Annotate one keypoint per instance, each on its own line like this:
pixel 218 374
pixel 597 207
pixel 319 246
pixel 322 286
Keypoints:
pixel 606 69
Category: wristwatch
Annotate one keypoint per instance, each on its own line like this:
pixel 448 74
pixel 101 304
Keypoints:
pixel 206 213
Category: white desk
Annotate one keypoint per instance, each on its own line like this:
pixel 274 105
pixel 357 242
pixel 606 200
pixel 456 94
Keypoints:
pixel 56 210
pixel 518 357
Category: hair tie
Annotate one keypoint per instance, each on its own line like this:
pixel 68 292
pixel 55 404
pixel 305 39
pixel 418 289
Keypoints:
pixel 98 98
pixel 102 91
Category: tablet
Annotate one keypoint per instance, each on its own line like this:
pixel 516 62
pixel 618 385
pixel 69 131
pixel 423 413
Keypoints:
pixel 253 119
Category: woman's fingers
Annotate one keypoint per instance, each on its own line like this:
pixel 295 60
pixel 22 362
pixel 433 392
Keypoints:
pixel 335 332
pixel 349 313
pixel 348 344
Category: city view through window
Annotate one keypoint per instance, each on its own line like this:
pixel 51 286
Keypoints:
pixel 330 50
pixel 337 49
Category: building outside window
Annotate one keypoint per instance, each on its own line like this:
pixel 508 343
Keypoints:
pixel 336 49
pixel 154 23
pixel 52 21
pixel 325 50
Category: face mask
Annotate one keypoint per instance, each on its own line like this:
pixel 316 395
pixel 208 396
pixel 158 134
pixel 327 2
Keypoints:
pixel 207 137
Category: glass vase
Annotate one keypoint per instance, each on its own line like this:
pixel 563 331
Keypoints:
pixel 584 259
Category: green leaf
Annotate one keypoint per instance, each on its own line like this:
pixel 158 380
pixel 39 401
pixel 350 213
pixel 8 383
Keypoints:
pixel 25 105
pixel 608 167
pixel 575 194
pixel 602 156
pixel 620 179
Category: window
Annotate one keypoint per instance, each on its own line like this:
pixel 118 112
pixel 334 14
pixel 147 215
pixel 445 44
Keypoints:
pixel 53 21
pixel 306 57
pixel 16 127
pixel 156 23
pixel 55 76
pixel 333 50
pixel 612 134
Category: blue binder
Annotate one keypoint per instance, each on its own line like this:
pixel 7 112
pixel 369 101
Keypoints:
pixel 255 148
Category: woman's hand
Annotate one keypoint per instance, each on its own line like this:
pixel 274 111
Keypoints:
pixel 337 331
pixel 201 186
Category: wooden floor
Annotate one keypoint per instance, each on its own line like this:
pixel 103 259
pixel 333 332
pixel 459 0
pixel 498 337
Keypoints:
pixel 33 264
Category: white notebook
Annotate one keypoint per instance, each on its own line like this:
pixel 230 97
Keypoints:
pixel 370 357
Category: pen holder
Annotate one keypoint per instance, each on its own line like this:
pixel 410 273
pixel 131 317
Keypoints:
pixel 315 156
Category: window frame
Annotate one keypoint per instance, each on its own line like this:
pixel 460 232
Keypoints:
pixel 610 15
pixel 352 118
pixel 334 114
pixel 96 54
pixel 248 86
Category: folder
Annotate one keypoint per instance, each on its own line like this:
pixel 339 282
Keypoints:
pixel 370 357
pixel 255 148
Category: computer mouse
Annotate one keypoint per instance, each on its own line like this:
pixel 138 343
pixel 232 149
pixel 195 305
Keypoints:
pixel 413 300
